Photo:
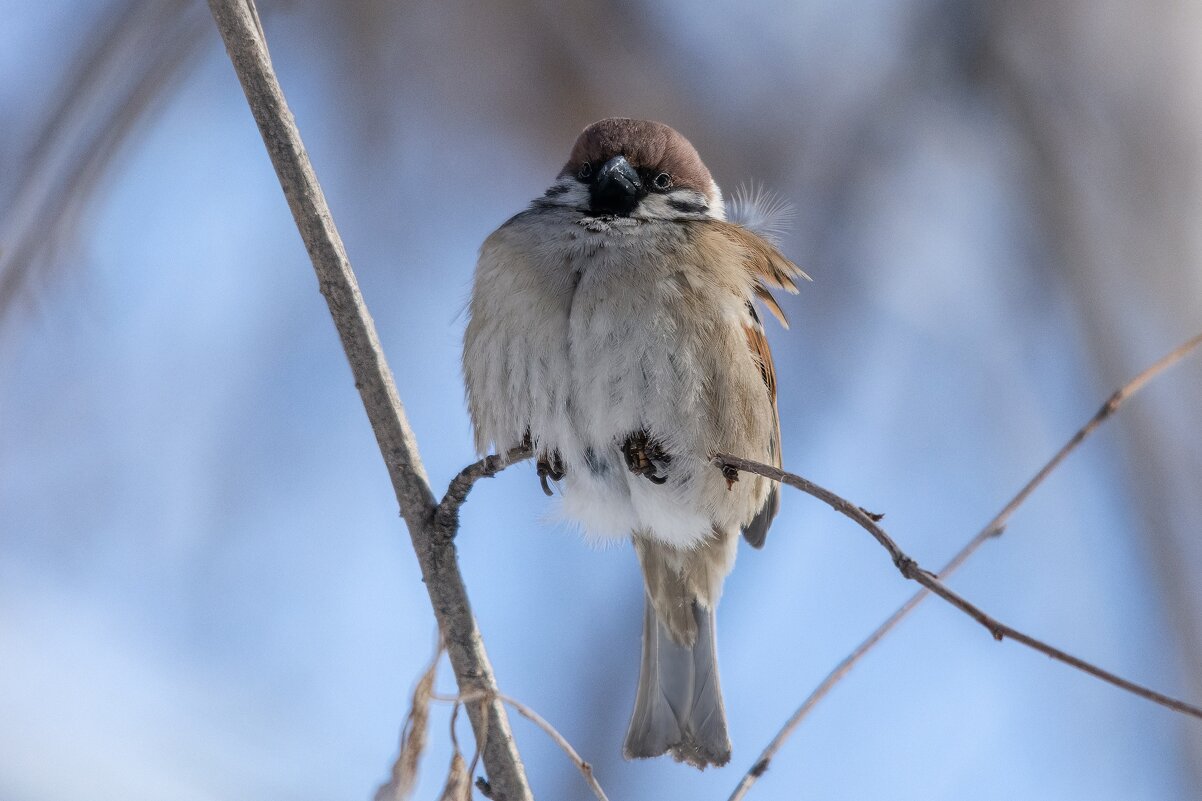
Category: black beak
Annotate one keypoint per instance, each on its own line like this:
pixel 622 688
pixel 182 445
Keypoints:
pixel 617 188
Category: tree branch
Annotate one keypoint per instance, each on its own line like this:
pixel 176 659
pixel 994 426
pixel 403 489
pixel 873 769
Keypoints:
pixel 992 529
pixel 242 32
pixel 586 769
pixel 446 516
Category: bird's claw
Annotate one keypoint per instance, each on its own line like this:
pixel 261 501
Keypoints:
pixel 641 453
pixel 549 467
pixel 731 474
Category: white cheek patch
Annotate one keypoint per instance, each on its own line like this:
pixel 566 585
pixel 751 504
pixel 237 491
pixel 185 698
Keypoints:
pixel 717 204
pixel 654 207
pixel 679 204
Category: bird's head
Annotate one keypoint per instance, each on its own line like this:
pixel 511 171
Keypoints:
pixel 635 168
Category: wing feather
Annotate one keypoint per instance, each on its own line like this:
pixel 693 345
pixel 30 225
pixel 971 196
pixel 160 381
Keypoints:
pixel 756 531
pixel 762 259
pixel 768 268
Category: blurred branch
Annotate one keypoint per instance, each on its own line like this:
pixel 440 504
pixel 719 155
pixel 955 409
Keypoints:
pixel 992 529
pixel 459 775
pixel 1053 80
pixel 529 714
pixel 413 737
pixel 242 32
pixel 139 52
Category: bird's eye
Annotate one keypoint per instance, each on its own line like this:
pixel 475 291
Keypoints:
pixel 663 181
pixel 586 171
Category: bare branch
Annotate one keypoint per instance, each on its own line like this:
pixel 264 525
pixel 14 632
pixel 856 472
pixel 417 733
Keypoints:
pixel 912 570
pixel 458 786
pixel 239 24
pixel 760 766
pixel 446 516
pixel 585 768
pixel 992 529
pixel 471 768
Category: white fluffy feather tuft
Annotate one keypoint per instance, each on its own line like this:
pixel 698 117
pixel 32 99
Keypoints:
pixel 761 210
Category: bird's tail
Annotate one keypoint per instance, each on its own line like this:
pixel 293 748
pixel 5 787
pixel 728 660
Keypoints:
pixel 678 708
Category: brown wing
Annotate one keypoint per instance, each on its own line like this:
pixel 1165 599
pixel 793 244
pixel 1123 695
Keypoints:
pixel 756 531
pixel 770 269
pixel 765 263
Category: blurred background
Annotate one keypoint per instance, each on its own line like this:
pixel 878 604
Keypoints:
pixel 205 589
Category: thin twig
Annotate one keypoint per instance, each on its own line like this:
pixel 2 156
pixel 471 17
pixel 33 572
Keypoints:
pixel 486 705
pixel 446 516
pixel 584 767
pixel 458 786
pixel 992 529
pixel 912 570
pixel 239 24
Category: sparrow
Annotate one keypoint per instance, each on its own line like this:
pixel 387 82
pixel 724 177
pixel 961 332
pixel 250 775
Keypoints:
pixel 613 328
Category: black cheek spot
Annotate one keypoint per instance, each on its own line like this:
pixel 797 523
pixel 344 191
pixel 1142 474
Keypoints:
pixel 686 206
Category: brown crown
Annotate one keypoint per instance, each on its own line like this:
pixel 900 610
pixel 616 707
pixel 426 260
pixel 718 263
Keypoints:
pixel 650 146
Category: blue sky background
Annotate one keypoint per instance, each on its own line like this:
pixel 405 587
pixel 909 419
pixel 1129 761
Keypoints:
pixel 205 588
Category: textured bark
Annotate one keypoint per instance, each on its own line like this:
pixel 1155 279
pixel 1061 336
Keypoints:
pixel 242 32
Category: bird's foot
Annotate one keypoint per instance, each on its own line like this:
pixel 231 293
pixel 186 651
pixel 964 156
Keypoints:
pixel 549 467
pixel 642 453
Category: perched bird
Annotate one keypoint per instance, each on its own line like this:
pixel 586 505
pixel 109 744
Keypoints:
pixel 613 328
